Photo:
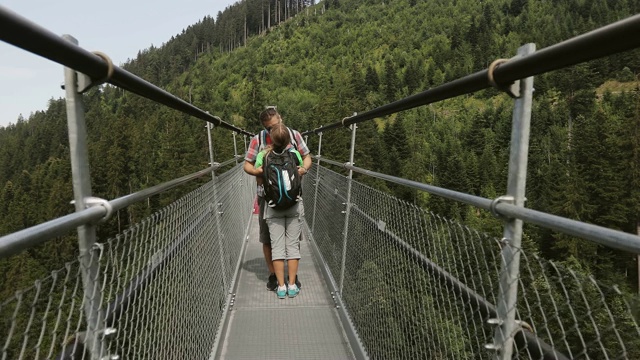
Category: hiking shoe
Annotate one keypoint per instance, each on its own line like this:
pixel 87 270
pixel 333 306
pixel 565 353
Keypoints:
pixel 293 291
pixel 272 283
pixel 286 280
pixel 282 292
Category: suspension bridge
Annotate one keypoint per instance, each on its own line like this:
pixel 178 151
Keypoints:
pixel 382 278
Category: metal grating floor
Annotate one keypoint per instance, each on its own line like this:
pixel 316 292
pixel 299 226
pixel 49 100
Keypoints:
pixel 261 326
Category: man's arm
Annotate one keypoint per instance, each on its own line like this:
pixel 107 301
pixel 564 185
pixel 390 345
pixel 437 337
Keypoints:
pixel 304 151
pixel 306 164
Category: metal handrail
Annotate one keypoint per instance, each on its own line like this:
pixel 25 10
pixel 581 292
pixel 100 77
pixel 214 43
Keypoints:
pixel 19 241
pixel 20 32
pixel 601 235
pixel 607 40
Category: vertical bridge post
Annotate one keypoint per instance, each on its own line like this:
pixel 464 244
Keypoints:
pixel 512 235
pixel 215 209
pixel 89 253
pixel 315 198
pixel 235 147
pixel 345 232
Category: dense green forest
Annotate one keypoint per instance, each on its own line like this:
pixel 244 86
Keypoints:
pixel 320 63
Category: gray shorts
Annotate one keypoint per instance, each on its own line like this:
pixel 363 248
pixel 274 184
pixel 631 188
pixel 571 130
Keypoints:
pixel 264 235
pixel 285 227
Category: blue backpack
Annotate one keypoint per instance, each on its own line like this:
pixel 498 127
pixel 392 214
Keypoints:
pixel 282 183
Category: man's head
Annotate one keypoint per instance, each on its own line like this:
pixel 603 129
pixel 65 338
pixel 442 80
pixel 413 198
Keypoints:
pixel 279 136
pixel 270 117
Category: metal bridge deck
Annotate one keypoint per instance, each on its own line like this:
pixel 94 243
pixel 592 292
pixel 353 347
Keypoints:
pixel 261 326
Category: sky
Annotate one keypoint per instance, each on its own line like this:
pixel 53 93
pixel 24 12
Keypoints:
pixel 118 28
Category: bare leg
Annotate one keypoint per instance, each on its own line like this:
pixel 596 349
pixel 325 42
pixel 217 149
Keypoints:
pixel 278 266
pixel 266 250
pixel 293 270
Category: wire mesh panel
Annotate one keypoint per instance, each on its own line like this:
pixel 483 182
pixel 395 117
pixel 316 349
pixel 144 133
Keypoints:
pixel 38 320
pixel 580 316
pixel 417 285
pixel 163 284
pixel 329 207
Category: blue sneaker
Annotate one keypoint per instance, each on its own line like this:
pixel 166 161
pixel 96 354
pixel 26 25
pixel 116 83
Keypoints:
pixel 293 291
pixel 281 291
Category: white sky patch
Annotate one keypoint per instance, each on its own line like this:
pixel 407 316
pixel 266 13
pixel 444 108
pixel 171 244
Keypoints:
pixel 120 30
pixel 16 73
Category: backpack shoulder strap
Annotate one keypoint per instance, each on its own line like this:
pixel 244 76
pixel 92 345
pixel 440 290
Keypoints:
pixel 293 139
pixel 294 156
pixel 262 139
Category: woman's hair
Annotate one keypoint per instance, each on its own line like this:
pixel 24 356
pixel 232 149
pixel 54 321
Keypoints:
pixel 279 137
pixel 268 114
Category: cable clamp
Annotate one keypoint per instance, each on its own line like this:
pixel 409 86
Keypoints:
pixel 512 89
pixel 525 325
pixel 494 322
pixel 85 82
pixel 501 199
pixel 92 201
pixel 347 118
pixel 98 247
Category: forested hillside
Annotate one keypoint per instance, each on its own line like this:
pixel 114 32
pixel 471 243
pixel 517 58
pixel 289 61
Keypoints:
pixel 319 64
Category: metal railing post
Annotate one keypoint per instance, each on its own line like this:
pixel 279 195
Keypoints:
pixel 216 210
pixel 345 232
pixel 89 257
pixel 512 235
pixel 235 148
pixel 315 197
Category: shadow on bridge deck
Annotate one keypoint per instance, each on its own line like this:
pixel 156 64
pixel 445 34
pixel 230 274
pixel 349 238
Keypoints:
pixel 261 326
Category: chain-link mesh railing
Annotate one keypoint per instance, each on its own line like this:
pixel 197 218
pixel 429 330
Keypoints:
pixel 164 283
pixel 419 286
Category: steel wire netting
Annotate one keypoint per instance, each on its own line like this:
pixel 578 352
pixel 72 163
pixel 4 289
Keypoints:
pixel 164 283
pixel 417 285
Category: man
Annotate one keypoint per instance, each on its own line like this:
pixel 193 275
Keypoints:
pixel 268 118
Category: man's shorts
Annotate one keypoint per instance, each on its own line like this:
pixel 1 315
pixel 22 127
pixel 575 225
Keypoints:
pixel 264 228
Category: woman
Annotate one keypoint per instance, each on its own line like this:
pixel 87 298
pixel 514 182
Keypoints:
pixel 284 224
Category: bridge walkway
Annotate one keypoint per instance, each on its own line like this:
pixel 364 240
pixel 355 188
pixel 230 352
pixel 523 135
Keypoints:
pixel 261 326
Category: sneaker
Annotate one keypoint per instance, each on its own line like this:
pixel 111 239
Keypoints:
pixel 298 284
pixel 293 291
pixel 272 283
pixel 282 292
